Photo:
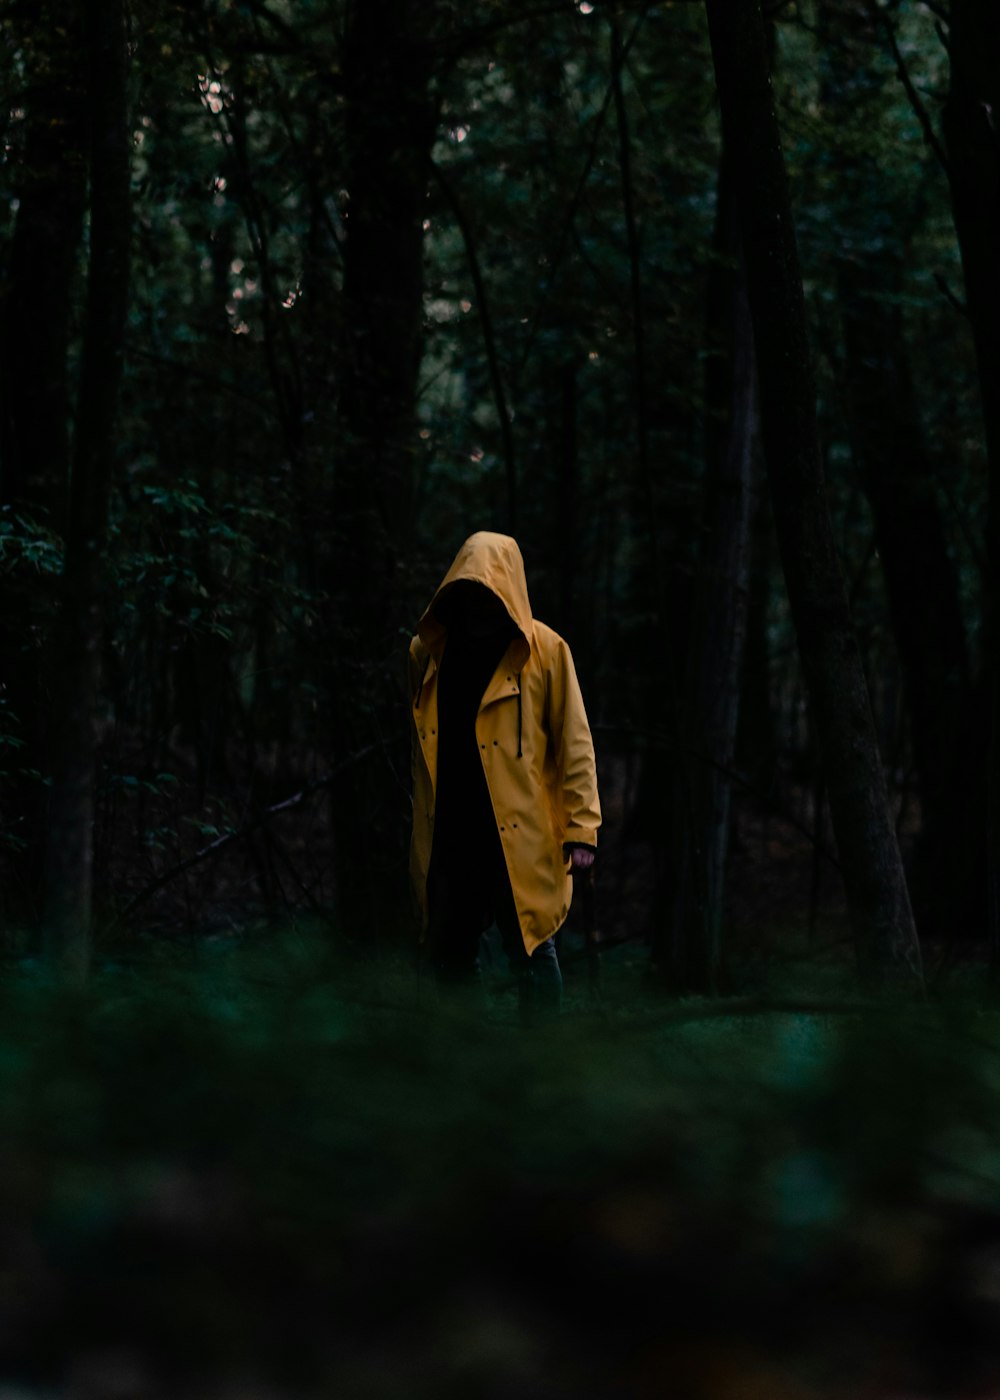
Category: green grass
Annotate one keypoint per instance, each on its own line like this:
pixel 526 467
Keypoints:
pixel 284 1164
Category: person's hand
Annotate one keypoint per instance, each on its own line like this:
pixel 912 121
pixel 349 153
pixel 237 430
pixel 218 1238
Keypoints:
pixel 581 858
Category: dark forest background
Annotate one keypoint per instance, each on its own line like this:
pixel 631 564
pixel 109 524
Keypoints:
pixel 296 298
pixel 700 303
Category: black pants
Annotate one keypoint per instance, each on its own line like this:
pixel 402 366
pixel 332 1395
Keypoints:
pixel 465 895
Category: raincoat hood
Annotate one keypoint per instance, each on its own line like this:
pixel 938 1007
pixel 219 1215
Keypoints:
pixel 494 561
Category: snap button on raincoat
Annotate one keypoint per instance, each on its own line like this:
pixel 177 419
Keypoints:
pixel 534 743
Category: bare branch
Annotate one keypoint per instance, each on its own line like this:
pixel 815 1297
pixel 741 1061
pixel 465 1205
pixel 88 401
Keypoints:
pixel 253 824
pixel 916 101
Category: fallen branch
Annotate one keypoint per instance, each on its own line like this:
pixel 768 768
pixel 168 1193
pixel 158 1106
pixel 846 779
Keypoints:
pixel 254 823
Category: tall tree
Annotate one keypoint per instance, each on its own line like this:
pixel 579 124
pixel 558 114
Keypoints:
pixel 877 895
pixel 79 632
pixel 390 124
pixel 973 152
pixel 869 226
pixel 51 183
pixel 688 947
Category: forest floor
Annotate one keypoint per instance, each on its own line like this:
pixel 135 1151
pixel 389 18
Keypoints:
pixel 269 1169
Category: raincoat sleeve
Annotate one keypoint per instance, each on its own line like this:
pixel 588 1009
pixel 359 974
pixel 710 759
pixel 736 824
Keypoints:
pixel 574 752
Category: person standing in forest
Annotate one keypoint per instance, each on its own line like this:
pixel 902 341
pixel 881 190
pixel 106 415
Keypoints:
pixel 505 802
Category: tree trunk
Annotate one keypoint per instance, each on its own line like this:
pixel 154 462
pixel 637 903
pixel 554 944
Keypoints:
pixel 877 896
pixel 886 432
pixel 35 417
pixel 920 579
pixel 691 959
pixel 971 117
pixel 390 128
pixel 973 144
pixel 568 510
pixel 68 894
pixel 390 124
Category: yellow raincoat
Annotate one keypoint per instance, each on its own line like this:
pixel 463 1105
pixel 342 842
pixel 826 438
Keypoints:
pixel 534 742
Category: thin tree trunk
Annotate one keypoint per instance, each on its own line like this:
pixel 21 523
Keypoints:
pixel 569 511
pixel 972 134
pixel 921 584
pixel 756 746
pixel 634 263
pixel 972 137
pixel 877 896
pixel 68 894
pixel 718 635
pixel 661 773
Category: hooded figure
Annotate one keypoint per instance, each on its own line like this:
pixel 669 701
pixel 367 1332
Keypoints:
pixel 505 799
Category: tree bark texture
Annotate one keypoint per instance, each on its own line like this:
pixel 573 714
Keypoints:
pixel 69 893
pixel 877 895
pixel 972 138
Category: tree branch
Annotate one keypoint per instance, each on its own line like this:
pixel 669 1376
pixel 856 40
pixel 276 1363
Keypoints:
pixel 253 824
pixel 916 101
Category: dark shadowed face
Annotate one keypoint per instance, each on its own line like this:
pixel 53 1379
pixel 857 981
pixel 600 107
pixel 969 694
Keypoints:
pixel 475 609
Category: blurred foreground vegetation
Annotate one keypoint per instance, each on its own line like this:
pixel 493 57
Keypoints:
pixel 274 1168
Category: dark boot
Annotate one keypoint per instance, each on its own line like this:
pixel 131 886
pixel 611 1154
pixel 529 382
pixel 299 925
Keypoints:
pixel 539 986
